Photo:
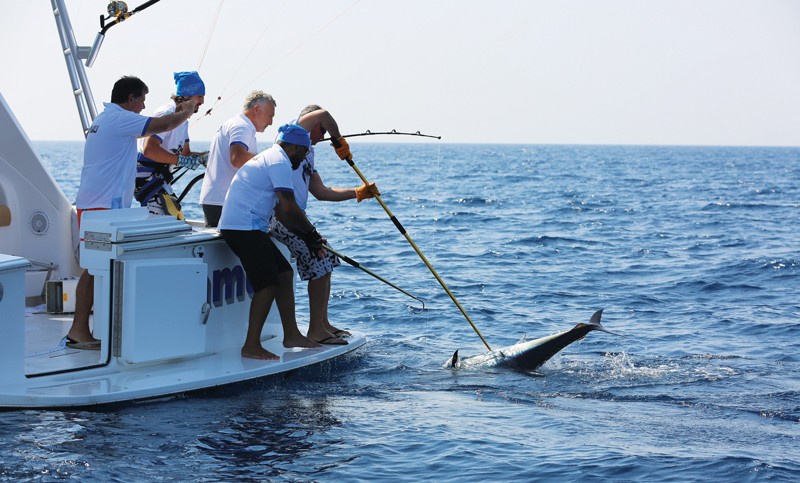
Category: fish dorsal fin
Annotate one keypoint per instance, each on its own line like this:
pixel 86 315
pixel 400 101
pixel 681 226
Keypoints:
pixel 454 360
pixel 523 339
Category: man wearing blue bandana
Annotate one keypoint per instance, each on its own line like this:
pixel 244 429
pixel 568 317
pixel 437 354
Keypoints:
pixel 108 175
pixel 317 271
pixel 159 152
pixel 261 187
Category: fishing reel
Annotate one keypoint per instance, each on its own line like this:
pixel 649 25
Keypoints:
pixel 119 12
pixel 117 9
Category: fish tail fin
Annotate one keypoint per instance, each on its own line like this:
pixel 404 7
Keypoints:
pixel 595 323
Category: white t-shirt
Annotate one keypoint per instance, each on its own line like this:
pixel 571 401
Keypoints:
pixel 219 170
pixel 251 197
pixel 301 179
pixel 109 159
pixel 171 141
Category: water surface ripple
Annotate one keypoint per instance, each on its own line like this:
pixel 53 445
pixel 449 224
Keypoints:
pixel 692 252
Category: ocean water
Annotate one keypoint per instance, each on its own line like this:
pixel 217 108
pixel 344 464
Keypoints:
pixel 693 252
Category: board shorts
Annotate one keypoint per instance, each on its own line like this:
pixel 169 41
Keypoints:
pixel 261 259
pixel 309 267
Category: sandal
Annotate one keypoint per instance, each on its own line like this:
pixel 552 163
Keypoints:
pixel 89 345
pixel 333 340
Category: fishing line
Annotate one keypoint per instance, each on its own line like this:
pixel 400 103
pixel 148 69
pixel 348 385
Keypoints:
pixel 289 54
pixel 253 48
pixel 244 60
pixel 210 34
pixel 436 200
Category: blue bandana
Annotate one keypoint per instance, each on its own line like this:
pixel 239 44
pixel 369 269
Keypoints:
pixel 188 84
pixel 294 134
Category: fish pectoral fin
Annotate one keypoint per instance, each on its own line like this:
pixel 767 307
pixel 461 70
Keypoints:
pixel 454 360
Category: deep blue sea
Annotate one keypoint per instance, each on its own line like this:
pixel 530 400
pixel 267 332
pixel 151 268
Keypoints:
pixel 693 252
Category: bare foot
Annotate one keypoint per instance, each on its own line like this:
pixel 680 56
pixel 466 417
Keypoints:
pixel 299 341
pixel 259 353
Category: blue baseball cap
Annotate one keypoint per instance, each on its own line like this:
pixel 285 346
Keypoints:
pixel 294 134
pixel 188 84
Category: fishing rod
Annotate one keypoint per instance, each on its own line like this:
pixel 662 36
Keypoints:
pixel 191 183
pixel 419 252
pixel 393 131
pixel 119 12
pixel 370 272
pixel 189 186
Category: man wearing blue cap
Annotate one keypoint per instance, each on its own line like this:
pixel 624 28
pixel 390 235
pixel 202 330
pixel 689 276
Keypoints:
pixel 317 271
pixel 159 152
pixel 261 187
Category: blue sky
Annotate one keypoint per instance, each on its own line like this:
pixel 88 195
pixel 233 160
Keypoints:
pixel 567 71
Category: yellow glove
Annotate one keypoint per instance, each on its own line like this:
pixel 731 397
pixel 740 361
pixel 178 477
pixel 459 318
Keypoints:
pixel 367 191
pixel 343 151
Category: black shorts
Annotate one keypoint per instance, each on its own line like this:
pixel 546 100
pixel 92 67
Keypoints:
pixel 212 214
pixel 261 259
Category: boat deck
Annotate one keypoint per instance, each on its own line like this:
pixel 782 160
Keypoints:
pixel 45 350
pixel 57 376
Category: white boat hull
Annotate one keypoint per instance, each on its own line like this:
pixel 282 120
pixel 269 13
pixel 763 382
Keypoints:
pixel 112 384
pixel 171 300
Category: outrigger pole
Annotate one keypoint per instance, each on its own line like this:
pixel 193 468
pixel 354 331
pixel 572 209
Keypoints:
pixel 416 249
pixel 370 272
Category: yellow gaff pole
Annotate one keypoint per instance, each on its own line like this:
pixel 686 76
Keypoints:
pixel 421 256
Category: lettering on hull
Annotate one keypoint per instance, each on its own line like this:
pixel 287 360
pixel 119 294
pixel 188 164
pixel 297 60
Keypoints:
pixel 228 286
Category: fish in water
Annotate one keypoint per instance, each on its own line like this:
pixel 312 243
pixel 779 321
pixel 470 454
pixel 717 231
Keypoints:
pixel 529 355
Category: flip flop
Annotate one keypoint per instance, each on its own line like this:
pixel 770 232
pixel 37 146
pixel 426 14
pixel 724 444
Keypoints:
pixel 89 345
pixel 333 340
pixel 341 333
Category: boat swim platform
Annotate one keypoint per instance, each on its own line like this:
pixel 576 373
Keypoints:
pixel 59 376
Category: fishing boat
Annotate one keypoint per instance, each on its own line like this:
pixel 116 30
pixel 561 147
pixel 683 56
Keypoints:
pixel 156 341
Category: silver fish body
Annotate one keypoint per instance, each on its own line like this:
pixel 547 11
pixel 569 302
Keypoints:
pixel 528 355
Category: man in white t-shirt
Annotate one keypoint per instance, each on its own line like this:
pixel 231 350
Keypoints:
pixel 108 174
pixel 233 145
pixel 317 271
pixel 159 152
pixel 261 187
